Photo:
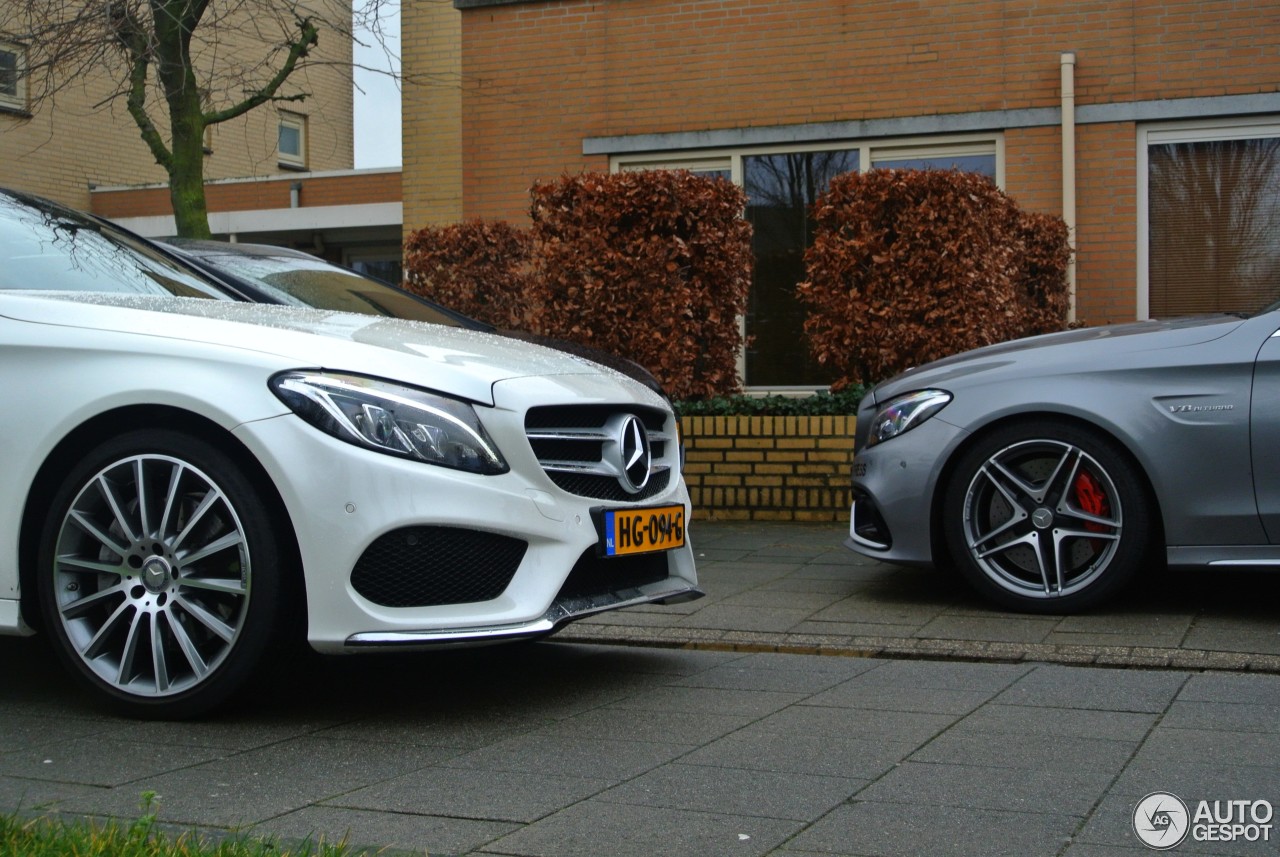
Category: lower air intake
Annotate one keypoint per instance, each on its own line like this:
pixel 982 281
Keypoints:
pixel 431 566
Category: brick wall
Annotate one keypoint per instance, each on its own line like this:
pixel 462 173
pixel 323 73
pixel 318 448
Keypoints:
pixel 366 186
pixel 537 78
pixel 431 106
pixel 60 150
pixel 769 468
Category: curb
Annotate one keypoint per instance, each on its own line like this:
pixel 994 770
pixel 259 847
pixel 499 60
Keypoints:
pixel 1131 657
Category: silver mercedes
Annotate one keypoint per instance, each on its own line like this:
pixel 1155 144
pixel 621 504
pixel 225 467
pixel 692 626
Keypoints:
pixel 1051 470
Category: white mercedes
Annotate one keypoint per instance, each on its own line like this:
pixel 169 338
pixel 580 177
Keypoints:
pixel 187 480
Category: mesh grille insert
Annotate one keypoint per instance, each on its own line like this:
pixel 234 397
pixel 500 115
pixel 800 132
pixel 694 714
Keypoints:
pixel 430 566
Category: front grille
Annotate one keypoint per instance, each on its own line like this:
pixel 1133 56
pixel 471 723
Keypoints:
pixel 607 487
pixel 431 566
pixel 600 575
pixel 576 446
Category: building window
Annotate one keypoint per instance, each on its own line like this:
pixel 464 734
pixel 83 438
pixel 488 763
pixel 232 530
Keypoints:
pixel 13 85
pixel 293 141
pixel 782 186
pixel 1212 219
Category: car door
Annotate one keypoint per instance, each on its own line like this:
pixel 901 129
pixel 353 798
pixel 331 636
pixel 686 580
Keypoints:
pixel 1264 433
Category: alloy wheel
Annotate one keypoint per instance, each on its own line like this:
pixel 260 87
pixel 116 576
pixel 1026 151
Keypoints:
pixel 151 576
pixel 1042 519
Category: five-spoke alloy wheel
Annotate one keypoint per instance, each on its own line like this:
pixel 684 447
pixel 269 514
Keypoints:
pixel 1046 517
pixel 157 573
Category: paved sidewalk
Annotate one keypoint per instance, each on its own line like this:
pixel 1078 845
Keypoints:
pixel 796 588
pixel 575 749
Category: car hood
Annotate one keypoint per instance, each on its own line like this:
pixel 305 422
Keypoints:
pixel 458 361
pixel 1051 353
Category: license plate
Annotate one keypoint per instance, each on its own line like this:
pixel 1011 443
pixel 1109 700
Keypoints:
pixel 632 531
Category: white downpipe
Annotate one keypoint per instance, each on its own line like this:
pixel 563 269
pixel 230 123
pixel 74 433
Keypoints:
pixel 1069 172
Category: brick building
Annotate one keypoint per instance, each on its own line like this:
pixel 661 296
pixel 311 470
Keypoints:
pixel 82 139
pixel 1152 127
pixel 280 173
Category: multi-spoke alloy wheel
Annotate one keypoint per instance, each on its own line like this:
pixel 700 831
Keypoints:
pixel 150 577
pixel 1047 518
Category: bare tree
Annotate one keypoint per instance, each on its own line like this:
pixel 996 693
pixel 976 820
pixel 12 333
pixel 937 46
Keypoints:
pixel 179 66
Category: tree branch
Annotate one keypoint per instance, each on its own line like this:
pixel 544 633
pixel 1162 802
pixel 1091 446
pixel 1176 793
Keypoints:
pixel 133 40
pixel 309 37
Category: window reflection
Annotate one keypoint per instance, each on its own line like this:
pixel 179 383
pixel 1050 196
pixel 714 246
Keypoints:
pixel 781 190
pixel 1214 243
pixel 981 164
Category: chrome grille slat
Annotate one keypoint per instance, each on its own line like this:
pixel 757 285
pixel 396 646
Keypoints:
pixel 577 447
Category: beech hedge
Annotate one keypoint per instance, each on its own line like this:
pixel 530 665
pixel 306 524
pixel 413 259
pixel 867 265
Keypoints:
pixel 479 268
pixel 653 266
pixel 909 266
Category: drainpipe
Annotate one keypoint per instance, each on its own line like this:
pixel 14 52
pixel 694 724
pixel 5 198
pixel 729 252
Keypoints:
pixel 1069 172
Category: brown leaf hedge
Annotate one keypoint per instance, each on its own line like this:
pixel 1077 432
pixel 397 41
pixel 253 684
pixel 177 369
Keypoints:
pixel 906 266
pixel 481 269
pixel 653 266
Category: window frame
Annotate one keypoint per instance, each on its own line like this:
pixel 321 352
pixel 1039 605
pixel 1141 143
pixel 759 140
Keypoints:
pixel 869 152
pixel 296 122
pixel 1193 131
pixel 17 102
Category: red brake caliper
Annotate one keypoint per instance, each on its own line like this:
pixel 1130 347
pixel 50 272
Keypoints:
pixel 1092 499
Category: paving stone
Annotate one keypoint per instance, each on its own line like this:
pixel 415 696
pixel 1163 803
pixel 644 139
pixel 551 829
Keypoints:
pixel 641 831
pixel 937 675
pixel 1222 716
pixel 1062 724
pixel 1068 792
pixel 476 793
pixel 897 726
pixel 1221 687
pixel 856 694
pixel 818 755
pixel 384 832
pixel 102 762
pixel 711 700
pixel 1109 690
pixel 954 732
pixel 1026 751
pixel 914 829
pixel 767 794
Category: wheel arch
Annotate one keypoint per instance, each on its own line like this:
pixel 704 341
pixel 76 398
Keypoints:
pixel 60 460
pixel 937 535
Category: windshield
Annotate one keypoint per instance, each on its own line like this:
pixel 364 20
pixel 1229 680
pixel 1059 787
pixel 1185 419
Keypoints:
pixel 49 248
pixel 315 283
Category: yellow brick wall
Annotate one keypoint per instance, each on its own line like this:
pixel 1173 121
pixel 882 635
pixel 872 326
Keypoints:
pixel 60 149
pixel 769 468
pixel 430 39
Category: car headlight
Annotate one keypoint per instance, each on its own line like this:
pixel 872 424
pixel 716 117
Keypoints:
pixel 903 413
pixel 391 418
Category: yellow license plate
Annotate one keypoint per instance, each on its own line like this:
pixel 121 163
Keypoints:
pixel 632 531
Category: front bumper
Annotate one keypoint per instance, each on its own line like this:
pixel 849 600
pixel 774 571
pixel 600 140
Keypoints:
pixel 343 499
pixel 895 485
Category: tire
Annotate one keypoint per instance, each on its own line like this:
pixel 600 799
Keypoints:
pixel 159 575
pixel 1047 517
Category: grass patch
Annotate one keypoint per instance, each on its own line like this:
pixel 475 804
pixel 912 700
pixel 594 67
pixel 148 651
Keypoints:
pixel 55 837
